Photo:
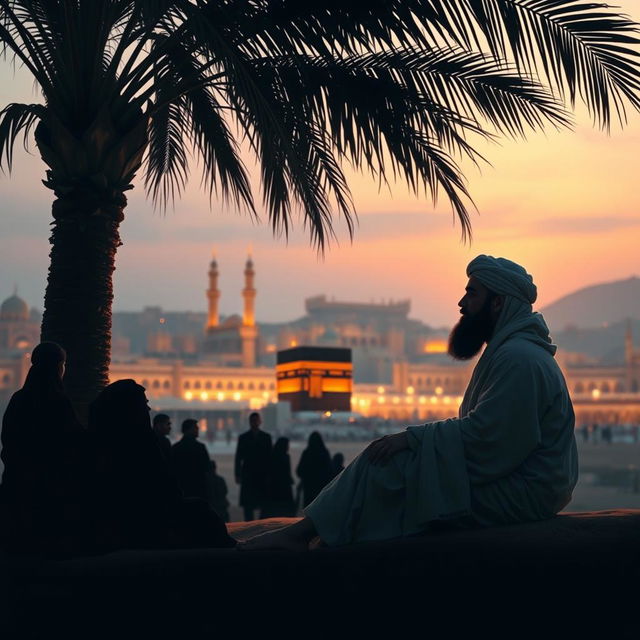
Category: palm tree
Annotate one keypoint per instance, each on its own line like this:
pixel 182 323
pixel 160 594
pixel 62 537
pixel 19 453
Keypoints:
pixel 397 88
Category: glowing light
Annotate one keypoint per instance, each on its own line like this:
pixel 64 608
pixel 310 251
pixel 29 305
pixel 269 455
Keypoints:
pixel 447 400
pixel 327 414
pixel 459 399
pixel 435 346
pixel 410 391
pixel 396 400
pixel 439 391
pixel 204 396
pixel 188 395
pixel 293 343
pixel 271 348
pixel 409 399
pixel 237 395
pixel 162 320
pixel 265 394
pixel 433 400
pixel 422 400
pixel 220 396
pixel 380 399
pixel 595 394
pixel 362 402
pixel 381 390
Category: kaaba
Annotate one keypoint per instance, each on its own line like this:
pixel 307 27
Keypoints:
pixel 315 378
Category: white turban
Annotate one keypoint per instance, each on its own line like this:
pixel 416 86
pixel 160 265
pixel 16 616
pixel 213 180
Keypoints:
pixel 504 277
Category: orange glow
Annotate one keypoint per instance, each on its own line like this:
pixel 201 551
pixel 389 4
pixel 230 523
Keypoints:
pixel 289 385
pixel 270 348
pixel 435 346
pixel 293 343
pixel 315 365
pixel 336 385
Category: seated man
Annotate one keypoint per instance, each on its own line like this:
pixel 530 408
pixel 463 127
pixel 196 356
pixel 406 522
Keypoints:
pixel 509 457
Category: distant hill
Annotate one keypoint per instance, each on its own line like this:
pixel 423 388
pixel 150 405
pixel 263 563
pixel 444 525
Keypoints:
pixel 595 306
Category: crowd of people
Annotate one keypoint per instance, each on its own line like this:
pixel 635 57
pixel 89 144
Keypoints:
pixel 121 483
pixel 264 473
pixel 68 489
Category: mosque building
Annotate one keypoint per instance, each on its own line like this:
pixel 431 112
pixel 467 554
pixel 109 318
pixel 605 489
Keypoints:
pixel 219 368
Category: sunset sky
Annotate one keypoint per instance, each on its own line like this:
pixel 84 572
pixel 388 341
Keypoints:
pixel 564 204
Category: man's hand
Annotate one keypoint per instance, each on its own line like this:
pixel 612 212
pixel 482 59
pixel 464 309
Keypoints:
pixel 380 451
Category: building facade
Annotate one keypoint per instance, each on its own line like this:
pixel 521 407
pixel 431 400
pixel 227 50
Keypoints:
pixel 400 367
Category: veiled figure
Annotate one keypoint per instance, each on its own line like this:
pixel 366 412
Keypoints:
pixel 138 503
pixel 45 466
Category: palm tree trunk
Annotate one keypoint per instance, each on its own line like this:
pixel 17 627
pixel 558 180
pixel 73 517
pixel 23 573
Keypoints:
pixel 79 294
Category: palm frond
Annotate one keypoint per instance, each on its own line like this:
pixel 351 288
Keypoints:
pixel 15 119
pixel 581 48
pixel 166 163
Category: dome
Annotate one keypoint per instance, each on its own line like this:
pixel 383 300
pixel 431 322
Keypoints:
pixel 14 308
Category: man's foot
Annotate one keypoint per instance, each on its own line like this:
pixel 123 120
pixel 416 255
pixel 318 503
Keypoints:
pixel 280 540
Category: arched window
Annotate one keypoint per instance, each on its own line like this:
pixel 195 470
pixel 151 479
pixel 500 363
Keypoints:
pixel 145 384
pixel 166 385
pixel 579 388
pixel 156 384
pixel 207 384
pixel 272 386
pixel 187 385
pixel 197 384
pixel 605 388
pixel 240 385
pixel 592 386
pixel 251 386
pixel 219 385
pixel 6 378
pixel 261 387
pixel 229 385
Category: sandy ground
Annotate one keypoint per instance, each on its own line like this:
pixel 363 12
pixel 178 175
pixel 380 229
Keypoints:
pixel 609 474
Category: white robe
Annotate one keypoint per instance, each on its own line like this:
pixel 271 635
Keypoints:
pixel 509 457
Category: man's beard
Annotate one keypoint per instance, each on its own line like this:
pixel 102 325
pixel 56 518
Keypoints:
pixel 470 333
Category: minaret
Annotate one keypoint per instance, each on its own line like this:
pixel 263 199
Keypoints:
pixel 213 295
pixel 248 330
pixel 249 294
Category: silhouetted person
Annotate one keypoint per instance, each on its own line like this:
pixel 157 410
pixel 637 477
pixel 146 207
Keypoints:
pixel 219 493
pixel 191 464
pixel 43 451
pixel 281 502
pixel 337 465
pixel 138 503
pixel 162 429
pixel 252 463
pixel 314 468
